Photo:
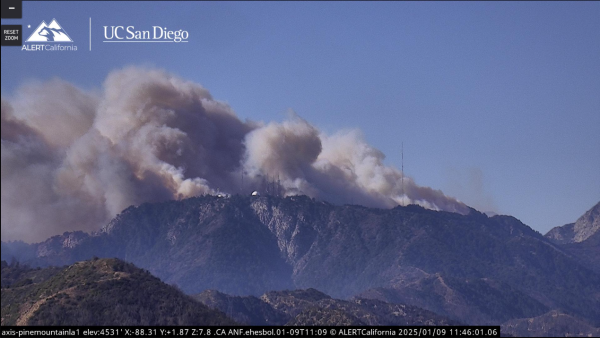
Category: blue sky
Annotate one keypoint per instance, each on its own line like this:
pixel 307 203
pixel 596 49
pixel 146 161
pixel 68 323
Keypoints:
pixel 498 104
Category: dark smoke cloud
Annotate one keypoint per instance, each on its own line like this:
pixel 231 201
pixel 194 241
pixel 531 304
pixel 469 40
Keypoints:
pixel 72 160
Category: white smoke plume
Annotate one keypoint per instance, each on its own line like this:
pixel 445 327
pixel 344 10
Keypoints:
pixel 72 160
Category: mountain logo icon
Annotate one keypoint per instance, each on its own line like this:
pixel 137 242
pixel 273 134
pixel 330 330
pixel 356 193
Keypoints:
pixel 49 33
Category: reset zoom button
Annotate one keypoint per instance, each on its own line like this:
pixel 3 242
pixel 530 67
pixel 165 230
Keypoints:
pixel 12 35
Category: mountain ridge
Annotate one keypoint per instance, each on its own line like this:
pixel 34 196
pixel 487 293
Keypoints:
pixel 581 239
pixel 98 292
pixel 245 245
pixel 552 324
pixel 585 227
pixel 481 301
pixel 311 307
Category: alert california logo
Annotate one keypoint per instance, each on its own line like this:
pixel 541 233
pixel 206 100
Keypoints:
pixel 49 38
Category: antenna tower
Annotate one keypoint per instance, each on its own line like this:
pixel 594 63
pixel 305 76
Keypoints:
pixel 402 174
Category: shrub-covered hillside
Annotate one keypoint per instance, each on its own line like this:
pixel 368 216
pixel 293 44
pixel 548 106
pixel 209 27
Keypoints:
pixel 97 292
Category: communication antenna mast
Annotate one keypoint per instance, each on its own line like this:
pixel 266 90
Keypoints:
pixel 267 185
pixel 402 174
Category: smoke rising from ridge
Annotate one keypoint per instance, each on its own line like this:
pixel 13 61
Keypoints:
pixel 72 160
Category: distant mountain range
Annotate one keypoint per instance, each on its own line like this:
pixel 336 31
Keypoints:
pixel 470 268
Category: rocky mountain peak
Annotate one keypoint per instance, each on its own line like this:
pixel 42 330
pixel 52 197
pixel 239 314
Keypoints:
pixel 588 224
pixel 585 227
